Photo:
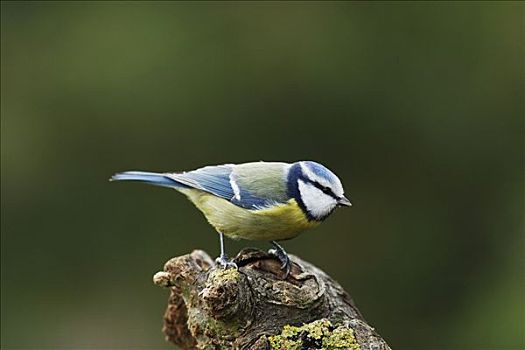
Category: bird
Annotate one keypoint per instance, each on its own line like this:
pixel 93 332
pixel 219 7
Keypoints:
pixel 261 201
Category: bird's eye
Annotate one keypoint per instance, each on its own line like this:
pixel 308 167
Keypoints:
pixel 326 190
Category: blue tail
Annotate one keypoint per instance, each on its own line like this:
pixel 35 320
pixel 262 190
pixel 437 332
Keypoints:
pixel 147 177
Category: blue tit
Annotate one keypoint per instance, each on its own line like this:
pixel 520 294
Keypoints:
pixel 267 201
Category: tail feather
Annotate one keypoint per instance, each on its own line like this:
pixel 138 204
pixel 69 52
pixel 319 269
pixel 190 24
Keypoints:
pixel 157 179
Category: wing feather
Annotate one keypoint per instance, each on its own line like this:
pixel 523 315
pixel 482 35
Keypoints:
pixel 248 185
pixel 212 179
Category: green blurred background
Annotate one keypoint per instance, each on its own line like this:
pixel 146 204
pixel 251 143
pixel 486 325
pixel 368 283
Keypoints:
pixel 418 107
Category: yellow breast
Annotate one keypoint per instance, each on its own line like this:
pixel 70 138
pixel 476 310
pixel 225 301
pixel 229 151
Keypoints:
pixel 283 221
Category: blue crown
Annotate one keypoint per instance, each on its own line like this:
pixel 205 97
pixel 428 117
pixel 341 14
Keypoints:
pixel 321 171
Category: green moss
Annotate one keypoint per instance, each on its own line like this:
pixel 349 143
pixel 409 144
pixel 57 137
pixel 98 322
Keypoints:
pixel 341 338
pixel 210 328
pixel 222 275
pixel 320 334
pixel 222 329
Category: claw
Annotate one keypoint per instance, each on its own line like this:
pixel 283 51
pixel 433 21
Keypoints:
pixel 287 267
pixel 223 262
pixel 280 253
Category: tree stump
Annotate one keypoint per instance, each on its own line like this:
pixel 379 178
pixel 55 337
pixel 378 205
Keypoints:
pixel 255 308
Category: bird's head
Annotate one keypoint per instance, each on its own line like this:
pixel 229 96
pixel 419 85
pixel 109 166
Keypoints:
pixel 317 190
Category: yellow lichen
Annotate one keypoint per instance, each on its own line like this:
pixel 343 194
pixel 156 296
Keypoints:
pixel 320 334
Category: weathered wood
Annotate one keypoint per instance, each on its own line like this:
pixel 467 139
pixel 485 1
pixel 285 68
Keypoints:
pixel 254 308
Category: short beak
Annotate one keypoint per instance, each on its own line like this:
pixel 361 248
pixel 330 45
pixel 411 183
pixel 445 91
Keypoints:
pixel 343 201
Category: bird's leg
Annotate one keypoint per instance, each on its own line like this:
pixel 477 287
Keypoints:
pixel 223 260
pixel 281 254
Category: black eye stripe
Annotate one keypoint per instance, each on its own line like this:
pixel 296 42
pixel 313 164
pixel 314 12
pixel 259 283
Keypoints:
pixel 326 190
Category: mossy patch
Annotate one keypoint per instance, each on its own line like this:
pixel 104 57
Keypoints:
pixel 320 334
pixel 223 275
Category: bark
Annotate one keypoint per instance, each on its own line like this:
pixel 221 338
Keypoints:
pixel 254 308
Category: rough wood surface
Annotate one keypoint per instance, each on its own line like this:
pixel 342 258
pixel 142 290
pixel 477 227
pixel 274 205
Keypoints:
pixel 254 308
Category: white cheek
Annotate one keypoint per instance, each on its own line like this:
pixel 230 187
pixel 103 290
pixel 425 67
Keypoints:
pixel 316 202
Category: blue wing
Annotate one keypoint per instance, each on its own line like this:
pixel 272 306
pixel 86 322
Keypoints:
pixel 221 181
pixel 212 179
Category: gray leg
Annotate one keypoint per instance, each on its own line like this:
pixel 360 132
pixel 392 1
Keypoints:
pixel 281 254
pixel 222 260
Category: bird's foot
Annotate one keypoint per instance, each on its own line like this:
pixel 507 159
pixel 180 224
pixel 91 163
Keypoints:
pixel 286 263
pixel 225 263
